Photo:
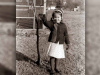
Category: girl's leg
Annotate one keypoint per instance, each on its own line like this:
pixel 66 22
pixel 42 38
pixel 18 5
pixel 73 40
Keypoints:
pixel 56 65
pixel 52 63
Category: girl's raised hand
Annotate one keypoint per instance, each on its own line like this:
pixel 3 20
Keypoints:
pixel 41 15
pixel 38 17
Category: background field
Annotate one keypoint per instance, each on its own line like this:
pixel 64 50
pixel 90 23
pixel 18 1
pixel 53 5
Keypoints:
pixel 73 64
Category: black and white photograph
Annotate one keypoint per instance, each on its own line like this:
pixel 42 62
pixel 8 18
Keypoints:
pixel 50 37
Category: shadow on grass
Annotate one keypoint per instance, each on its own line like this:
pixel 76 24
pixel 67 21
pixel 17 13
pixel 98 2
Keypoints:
pixel 22 57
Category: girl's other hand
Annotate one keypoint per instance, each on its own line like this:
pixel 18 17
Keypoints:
pixel 67 46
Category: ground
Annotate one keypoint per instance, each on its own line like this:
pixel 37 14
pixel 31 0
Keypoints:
pixel 26 51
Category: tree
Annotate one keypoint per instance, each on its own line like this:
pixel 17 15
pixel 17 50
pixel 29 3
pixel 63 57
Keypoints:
pixel 69 4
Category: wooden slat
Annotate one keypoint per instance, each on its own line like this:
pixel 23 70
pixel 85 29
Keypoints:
pixel 23 5
pixel 21 9
pixel 26 17
pixel 27 6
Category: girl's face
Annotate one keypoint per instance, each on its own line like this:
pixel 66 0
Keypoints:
pixel 57 18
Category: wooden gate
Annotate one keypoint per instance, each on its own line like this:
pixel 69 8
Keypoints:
pixel 26 11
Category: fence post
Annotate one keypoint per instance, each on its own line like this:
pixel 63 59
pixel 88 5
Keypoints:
pixel 44 11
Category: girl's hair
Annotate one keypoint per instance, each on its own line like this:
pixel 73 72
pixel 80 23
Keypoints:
pixel 55 12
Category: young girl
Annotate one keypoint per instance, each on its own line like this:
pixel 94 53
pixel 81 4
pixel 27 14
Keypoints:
pixel 57 37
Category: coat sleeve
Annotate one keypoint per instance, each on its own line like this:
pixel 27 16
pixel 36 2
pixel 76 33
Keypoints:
pixel 48 24
pixel 66 35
